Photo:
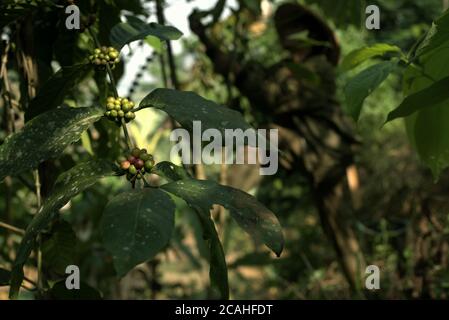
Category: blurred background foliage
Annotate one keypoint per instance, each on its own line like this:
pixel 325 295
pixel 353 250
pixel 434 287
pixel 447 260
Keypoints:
pixel 398 215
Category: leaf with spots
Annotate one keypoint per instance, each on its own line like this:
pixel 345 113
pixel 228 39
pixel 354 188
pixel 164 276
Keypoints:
pixel 250 214
pixel 186 107
pixel 44 137
pixel 136 29
pixel 59 247
pixel 136 225
pixel 68 185
pixel 170 171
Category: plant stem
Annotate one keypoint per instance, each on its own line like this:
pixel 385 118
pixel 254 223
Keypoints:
pixel 125 132
pixel 171 60
pixel 114 88
pixel 40 282
pixel 9 227
pixel 39 241
pixel 37 185
pixel 111 78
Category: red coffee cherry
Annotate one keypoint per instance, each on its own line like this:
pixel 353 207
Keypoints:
pixel 139 164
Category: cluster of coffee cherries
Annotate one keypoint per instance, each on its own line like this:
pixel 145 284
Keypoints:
pixel 136 164
pixel 118 109
pixel 105 55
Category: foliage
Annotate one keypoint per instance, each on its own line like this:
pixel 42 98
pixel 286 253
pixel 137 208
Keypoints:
pixel 165 232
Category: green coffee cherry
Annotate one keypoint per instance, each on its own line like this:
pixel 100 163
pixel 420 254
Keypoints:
pixel 132 169
pixel 149 164
pixel 130 115
pixel 144 156
pixel 105 56
pixel 121 159
pixel 121 108
pixel 135 152
pixel 126 107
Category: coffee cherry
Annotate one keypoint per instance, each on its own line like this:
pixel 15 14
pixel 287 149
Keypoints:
pixel 135 152
pixel 145 156
pixel 132 159
pixel 121 114
pixel 125 165
pixel 121 159
pixel 107 113
pixel 126 107
pixel 139 164
pixel 149 164
pixel 105 56
pixel 132 169
pixel 130 115
pixel 110 106
pixel 114 113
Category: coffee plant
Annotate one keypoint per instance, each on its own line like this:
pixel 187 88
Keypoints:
pixel 425 82
pixel 136 224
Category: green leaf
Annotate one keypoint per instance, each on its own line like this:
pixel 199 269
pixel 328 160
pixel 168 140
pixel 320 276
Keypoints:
pixel 55 89
pixel 59 291
pixel 218 272
pixel 186 107
pixel 68 184
pixel 170 171
pixel 44 137
pixel 437 92
pixel 251 215
pixel 5 277
pixel 125 32
pixel 428 128
pixel 136 225
pixel 356 57
pixel 154 43
pixel 436 36
pixel 59 249
pixel 363 84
